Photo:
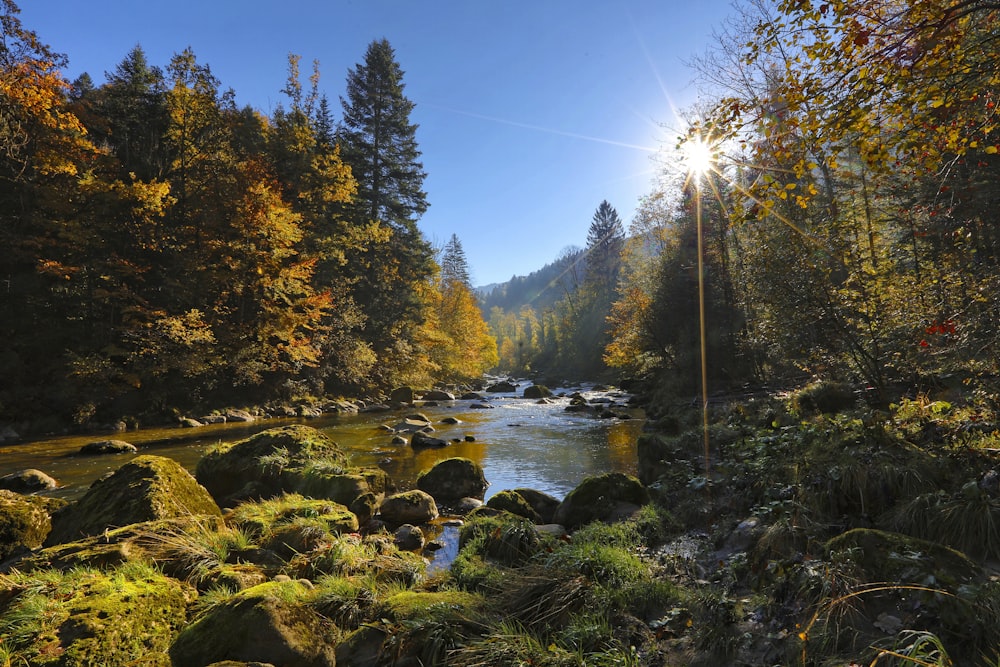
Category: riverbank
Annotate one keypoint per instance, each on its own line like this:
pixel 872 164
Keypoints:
pixel 816 531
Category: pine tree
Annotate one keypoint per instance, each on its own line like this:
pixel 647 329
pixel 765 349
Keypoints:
pixel 379 144
pixel 605 239
pixel 454 265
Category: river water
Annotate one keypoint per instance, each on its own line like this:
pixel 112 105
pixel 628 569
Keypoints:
pixel 519 443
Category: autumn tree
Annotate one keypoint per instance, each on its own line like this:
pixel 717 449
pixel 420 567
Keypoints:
pixel 471 350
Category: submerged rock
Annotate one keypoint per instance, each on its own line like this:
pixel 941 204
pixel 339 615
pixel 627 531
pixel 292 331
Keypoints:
pixel 422 440
pixel 28 481
pixel 145 489
pixel 109 447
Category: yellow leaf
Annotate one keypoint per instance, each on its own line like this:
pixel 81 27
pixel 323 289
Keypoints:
pixel 937 103
pixel 991 149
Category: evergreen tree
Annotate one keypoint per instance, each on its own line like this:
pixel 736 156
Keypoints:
pixel 454 265
pixel 379 144
pixel 605 239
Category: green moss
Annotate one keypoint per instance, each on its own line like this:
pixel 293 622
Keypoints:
pixel 145 489
pixel 438 605
pixel 885 556
pixel 85 617
pixel 274 460
pixel 267 518
pixel 25 521
pixel 513 502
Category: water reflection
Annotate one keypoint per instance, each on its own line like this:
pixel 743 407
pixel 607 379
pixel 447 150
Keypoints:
pixel 519 443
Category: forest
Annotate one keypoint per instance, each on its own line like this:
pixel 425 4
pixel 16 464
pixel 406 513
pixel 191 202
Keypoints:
pixel 164 247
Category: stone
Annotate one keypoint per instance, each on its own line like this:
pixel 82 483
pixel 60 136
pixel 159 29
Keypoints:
pixel 8 434
pixel 213 419
pixel 414 507
pixel 438 395
pixel 144 489
pixel 537 391
pixel 472 396
pixel 273 461
pixel 410 425
pixel 263 624
pixel 28 481
pixel 481 406
pixel 25 521
pixel 606 497
pixel 422 440
pixel 408 538
pixel 401 395
pixel 544 504
pixel 188 422
pixel 451 420
pixel 109 447
pixel 502 387
pixel 239 416
pixel 513 502
pixel 454 478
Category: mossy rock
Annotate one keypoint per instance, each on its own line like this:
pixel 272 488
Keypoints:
pixel 605 497
pixel 112 547
pixel 657 454
pixel 145 489
pixel 270 462
pixel 886 556
pixel 515 503
pixel 127 616
pixel 25 521
pixel 454 478
pixel 269 623
pixel 544 504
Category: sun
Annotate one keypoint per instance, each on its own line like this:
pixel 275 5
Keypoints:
pixel 698 157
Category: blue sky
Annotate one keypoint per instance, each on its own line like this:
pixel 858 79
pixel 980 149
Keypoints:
pixel 530 112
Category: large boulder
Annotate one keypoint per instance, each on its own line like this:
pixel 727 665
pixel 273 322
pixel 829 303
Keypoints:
pixel 605 497
pixel 25 521
pixel 537 391
pixel 454 478
pixel 502 387
pixel 28 481
pixel 414 507
pixel 84 616
pixel 657 454
pixel 144 489
pixel 268 463
pixel 262 624
pixel 401 395
pixel 438 395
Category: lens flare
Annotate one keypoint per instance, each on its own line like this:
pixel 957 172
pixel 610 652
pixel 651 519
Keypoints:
pixel 698 156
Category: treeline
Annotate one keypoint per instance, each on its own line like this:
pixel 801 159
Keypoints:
pixel 163 247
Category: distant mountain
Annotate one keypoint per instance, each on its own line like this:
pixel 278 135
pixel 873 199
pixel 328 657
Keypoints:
pixel 540 289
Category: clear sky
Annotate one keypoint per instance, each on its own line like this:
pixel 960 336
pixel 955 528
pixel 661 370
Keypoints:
pixel 530 112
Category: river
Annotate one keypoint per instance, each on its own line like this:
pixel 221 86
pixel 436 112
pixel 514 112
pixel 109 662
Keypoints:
pixel 519 443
